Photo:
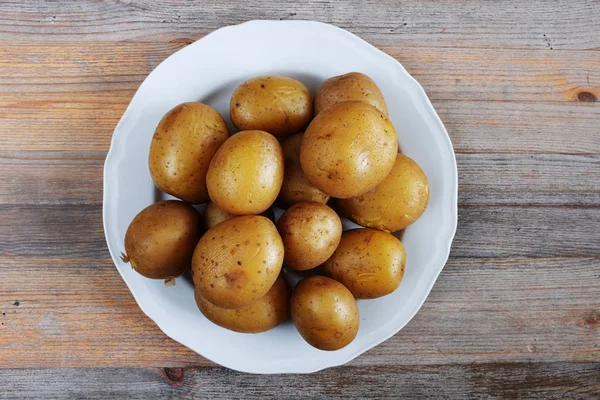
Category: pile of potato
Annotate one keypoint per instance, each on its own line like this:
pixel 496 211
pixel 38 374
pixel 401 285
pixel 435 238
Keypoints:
pixel 347 156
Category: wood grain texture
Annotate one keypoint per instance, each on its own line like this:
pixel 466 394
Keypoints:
pixel 531 381
pixel 455 23
pixel 515 312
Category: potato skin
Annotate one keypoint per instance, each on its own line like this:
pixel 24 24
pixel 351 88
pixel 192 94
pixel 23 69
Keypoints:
pixel 260 316
pixel 236 262
pixel 183 145
pixel 245 175
pixel 161 239
pixel 348 149
pixel 325 313
pixel 296 187
pixel 213 215
pixel 369 262
pixel 275 104
pixel 310 233
pixel 395 203
pixel 349 87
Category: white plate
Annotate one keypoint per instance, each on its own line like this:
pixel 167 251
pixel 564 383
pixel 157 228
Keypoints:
pixel 208 71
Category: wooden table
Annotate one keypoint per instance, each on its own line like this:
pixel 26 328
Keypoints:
pixel 516 311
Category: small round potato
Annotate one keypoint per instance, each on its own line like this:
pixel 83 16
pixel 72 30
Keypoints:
pixel 236 262
pixel 369 262
pixel 310 232
pixel 246 173
pixel 348 149
pixel 262 315
pixel 325 313
pixel 161 239
pixel 184 142
pixel 275 104
pixel 296 187
pixel 213 215
pixel 395 203
pixel 348 87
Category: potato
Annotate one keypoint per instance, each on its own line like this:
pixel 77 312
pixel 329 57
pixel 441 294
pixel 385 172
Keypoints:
pixel 296 187
pixel 349 87
pixel 369 262
pixel 237 261
pixel 325 313
pixel 395 203
pixel 161 239
pixel 213 215
pixel 310 233
pixel 245 175
pixel 276 104
pixel 262 315
pixel 348 149
pixel 184 142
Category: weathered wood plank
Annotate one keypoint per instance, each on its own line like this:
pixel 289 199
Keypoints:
pixel 492 381
pixel 457 23
pixel 486 310
pixel 75 177
pixel 490 100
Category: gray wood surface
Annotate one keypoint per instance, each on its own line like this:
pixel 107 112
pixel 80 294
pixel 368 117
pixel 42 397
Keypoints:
pixel 528 381
pixel 515 312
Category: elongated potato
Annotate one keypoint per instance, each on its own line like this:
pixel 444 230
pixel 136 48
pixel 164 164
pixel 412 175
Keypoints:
pixel 348 149
pixel 325 313
pixel 246 173
pixel 369 262
pixel 275 104
pixel 161 239
pixel 296 187
pixel 395 203
pixel 183 145
pixel 262 315
pixel 349 87
pixel 236 262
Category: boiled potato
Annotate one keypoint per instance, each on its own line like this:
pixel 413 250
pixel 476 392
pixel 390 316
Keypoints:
pixel 160 240
pixel 325 313
pixel 213 215
pixel 348 87
pixel 262 315
pixel 395 203
pixel 184 142
pixel 236 262
pixel 296 187
pixel 310 232
pixel 369 262
pixel 245 175
pixel 276 104
pixel 348 149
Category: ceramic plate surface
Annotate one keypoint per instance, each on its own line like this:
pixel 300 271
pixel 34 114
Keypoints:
pixel 208 71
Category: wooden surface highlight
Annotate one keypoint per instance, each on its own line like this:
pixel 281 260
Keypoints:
pixel 515 312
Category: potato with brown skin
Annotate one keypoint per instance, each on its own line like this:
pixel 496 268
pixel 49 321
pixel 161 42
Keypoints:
pixel 236 262
pixel 183 145
pixel 395 203
pixel 369 262
pixel 325 313
pixel 160 240
pixel 213 215
pixel 245 175
pixel 275 104
pixel 296 187
pixel 260 316
pixel 349 87
pixel 348 149
pixel 310 233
